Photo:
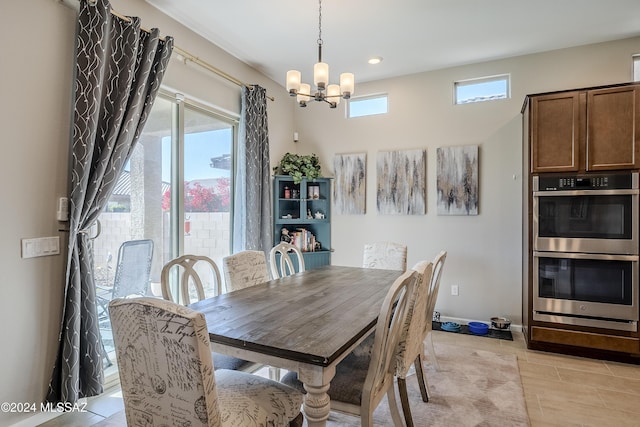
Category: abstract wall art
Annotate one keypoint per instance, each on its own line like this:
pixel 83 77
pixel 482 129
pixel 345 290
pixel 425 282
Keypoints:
pixel 457 180
pixel 349 190
pixel 401 182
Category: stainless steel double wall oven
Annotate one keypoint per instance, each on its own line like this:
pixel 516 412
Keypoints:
pixel 586 248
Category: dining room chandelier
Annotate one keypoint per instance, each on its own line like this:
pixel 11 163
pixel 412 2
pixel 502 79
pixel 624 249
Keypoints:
pixel 329 93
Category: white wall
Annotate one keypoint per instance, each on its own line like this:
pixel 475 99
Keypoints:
pixel 35 84
pixel 484 251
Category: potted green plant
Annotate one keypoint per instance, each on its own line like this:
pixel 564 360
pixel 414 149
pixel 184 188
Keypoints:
pixel 299 166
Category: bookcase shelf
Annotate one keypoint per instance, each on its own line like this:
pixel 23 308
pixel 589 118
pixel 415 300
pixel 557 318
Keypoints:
pixel 304 209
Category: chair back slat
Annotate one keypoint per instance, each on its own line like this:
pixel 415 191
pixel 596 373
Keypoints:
pixel 281 263
pixel 434 286
pixel 186 273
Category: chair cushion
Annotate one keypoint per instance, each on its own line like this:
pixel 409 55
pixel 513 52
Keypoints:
pixel 247 400
pixel 365 347
pixel 222 361
pixel 347 384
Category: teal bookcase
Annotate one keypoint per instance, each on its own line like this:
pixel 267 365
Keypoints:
pixel 292 206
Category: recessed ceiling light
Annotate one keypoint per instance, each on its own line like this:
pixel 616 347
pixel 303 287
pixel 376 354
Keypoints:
pixel 375 60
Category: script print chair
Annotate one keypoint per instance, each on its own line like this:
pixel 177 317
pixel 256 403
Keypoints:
pixel 181 276
pixel 167 374
pixel 385 255
pixel 281 263
pixel 245 269
pixel 361 382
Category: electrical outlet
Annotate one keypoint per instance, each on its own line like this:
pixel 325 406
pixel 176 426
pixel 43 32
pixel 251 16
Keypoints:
pixel 454 290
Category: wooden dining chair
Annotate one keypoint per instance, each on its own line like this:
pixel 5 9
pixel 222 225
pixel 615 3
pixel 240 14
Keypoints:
pixel 183 276
pixel 180 278
pixel 244 269
pixel 385 255
pixel 434 286
pixel 410 348
pixel 167 374
pixel 360 382
pixel 281 263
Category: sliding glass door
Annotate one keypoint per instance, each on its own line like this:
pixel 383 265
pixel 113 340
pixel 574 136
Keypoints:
pixel 175 191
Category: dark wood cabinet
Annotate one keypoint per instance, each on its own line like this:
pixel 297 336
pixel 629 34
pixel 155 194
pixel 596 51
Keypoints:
pixel 555 132
pixel 585 130
pixel 613 136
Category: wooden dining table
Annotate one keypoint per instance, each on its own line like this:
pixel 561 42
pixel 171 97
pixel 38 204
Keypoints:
pixel 307 322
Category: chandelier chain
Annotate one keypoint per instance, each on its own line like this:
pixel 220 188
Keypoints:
pixel 319 22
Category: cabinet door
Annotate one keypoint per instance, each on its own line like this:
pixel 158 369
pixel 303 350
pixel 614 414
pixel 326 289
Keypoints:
pixel 612 128
pixel 555 132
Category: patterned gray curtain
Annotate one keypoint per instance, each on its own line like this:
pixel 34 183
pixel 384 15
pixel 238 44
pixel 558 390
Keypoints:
pixel 252 227
pixel 119 68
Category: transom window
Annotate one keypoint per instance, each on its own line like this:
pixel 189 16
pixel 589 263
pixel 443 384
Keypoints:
pixel 482 89
pixel 367 106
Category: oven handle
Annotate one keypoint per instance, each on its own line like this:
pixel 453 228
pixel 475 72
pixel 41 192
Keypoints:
pixel 572 255
pixel 587 193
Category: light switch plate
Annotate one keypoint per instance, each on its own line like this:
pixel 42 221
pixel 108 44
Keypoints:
pixel 40 246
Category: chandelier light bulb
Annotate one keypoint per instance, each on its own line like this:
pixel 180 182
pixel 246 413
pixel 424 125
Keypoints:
pixel 304 94
pixel 333 95
pixel 321 75
pixel 347 84
pixel 293 81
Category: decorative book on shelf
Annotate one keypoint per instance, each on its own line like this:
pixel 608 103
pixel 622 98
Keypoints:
pixel 302 216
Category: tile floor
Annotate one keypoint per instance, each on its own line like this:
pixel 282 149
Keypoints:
pixel 559 390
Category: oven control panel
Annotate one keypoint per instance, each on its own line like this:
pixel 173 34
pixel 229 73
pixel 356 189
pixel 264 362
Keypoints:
pixel 586 182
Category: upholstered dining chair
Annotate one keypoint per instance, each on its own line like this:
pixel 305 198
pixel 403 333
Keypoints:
pixel 182 274
pixel 281 263
pixel 385 255
pixel 167 374
pixel 360 381
pixel 244 269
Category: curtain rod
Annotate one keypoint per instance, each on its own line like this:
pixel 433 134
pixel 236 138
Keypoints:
pixel 193 58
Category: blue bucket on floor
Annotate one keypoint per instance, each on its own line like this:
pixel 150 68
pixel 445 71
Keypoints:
pixel 478 328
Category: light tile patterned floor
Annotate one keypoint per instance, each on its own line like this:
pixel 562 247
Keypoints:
pixel 559 390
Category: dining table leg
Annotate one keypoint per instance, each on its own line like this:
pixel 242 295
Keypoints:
pixel 317 406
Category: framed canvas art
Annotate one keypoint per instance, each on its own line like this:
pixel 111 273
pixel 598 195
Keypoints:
pixel 401 182
pixel 457 180
pixel 349 190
